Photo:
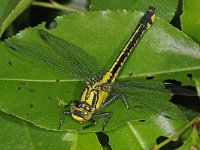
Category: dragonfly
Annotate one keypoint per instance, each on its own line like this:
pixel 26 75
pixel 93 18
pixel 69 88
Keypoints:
pixel 101 89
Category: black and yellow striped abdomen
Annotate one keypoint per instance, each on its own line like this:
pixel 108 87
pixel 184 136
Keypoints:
pixel 144 24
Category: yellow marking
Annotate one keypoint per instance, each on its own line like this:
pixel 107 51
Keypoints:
pixel 79 119
pixel 148 25
pixel 153 18
pixel 124 49
pixel 91 95
pixel 106 77
pixel 102 97
pixel 84 94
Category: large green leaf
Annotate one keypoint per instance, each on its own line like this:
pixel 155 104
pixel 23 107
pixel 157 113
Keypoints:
pixel 141 135
pixel 20 135
pixel 29 89
pixel 10 10
pixel 165 9
pixel 190 19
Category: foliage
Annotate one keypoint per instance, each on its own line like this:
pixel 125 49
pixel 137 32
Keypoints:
pixel 28 104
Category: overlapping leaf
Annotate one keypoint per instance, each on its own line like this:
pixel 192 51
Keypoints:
pixel 166 6
pixel 10 10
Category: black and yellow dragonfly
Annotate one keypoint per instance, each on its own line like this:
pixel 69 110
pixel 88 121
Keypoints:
pixel 94 97
pixel 101 89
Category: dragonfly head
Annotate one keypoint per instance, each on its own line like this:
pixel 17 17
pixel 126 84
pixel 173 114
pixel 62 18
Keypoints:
pixel 80 114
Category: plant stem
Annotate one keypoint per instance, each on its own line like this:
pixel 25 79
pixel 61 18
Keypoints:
pixel 177 134
pixel 55 5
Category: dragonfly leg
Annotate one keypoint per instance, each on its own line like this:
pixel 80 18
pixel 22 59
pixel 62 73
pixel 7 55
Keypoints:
pixel 67 112
pixel 61 102
pixel 92 123
pixel 110 101
pixel 105 114
pixel 73 102
pixel 127 105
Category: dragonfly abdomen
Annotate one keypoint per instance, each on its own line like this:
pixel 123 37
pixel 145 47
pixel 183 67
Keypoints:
pixel 144 24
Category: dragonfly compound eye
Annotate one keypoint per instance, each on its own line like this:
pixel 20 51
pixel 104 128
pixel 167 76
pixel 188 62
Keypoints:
pixel 86 115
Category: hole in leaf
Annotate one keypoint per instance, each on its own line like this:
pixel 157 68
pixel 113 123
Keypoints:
pixel 31 105
pixel 10 63
pixel 175 82
pixel 191 102
pixel 50 25
pixel 142 120
pixel 103 140
pixel 185 97
pixel 130 74
pixel 189 75
pixel 150 78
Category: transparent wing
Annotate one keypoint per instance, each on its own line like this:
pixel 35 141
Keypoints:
pixel 60 55
pixel 149 94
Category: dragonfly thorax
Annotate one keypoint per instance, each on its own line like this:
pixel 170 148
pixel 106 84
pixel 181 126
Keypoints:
pixel 94 95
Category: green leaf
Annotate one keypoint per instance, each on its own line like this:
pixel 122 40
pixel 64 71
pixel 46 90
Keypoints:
pixel 190 19
pixel 97 33
pixel 20 135
pixel 143 134
pixel 165 9
pixel 10 10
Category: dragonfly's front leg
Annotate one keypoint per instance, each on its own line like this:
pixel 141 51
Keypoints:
pixel 66 112
pixel 105 114
pixel 92 123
